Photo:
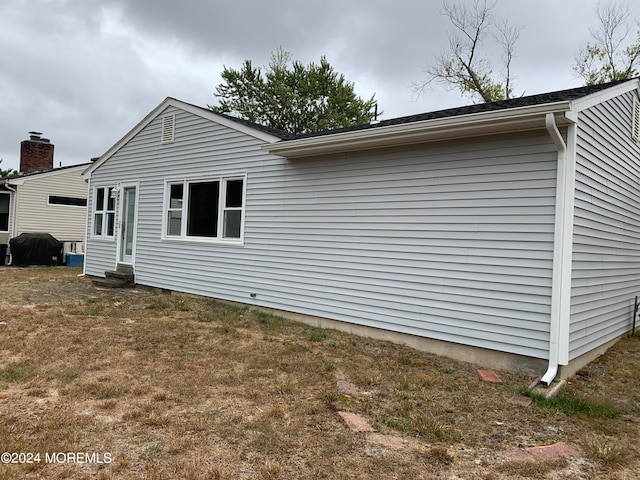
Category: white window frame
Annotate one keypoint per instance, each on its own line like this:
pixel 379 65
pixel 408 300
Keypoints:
pixel 107 191
pixel 222 209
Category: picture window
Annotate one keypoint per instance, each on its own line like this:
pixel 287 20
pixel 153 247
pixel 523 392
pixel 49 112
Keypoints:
pixel 211 209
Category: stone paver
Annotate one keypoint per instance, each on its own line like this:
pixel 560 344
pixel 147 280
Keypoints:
pixel 357 423
pixel 347 388
pixel 545 452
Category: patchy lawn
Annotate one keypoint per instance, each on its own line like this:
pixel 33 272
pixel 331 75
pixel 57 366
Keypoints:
pixel 134 384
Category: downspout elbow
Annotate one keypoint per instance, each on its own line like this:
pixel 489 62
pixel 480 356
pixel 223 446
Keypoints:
pixel 552 128
pixel 550 374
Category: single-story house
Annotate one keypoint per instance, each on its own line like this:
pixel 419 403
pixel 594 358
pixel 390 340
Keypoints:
pixel 42 198
pixel 505 233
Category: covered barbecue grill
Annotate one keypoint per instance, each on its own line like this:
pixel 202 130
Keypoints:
pixel 35 249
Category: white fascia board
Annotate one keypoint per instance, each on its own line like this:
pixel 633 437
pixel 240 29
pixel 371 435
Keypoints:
pixel 50 173
pixel 172 102
pixel 512 119
pixel 604 95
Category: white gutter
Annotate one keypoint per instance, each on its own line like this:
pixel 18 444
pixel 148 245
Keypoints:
pixel 482 123
pixel 562 248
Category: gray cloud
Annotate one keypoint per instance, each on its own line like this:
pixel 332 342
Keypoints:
pixel 85 72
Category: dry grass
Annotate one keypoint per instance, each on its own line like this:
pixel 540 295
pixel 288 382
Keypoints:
pixel 176 386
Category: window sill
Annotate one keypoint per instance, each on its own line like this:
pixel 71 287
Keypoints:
pixel 204 241
pixel 104 239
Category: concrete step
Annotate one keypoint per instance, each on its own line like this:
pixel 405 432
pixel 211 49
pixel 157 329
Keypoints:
pixel 115 279
pixel 119 275
pixel 111 283
pixel 124 268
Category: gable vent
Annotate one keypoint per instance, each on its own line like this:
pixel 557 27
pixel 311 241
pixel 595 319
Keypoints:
pixel 168 128
pixel 635 121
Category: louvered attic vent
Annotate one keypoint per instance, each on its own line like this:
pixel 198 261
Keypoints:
pixel 635 121
pixel 168 128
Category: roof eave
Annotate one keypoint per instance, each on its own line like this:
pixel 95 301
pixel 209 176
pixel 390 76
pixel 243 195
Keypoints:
pixel 447 128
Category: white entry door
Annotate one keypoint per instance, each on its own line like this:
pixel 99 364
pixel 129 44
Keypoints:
pixel 128 225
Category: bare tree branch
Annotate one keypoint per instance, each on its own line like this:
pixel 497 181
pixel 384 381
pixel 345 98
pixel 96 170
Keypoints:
pixel 607 58
pixel 464 66
pixel 507 36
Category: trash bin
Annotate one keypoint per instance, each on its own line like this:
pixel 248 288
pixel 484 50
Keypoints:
pixel 3 254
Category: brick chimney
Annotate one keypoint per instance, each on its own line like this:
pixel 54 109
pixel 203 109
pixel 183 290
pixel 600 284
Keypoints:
pixel 36 153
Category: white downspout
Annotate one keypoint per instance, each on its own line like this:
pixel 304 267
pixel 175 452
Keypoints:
pixel 562 251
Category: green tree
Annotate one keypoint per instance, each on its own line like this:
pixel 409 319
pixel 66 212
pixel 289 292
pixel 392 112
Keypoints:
pixel 8 172
pixel 611 56
pixel 291 96
pixel 464 66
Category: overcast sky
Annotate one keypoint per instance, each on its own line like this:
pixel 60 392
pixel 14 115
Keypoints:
pixel 84 72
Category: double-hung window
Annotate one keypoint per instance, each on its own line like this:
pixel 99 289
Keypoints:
pixel 104 212
pixel 210 209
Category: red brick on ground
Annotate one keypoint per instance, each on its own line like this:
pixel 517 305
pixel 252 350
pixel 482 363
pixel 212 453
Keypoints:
pixel 489 376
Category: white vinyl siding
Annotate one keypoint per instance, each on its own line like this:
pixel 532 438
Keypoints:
pixel 451 241
pixel 34 213
pixel 606 245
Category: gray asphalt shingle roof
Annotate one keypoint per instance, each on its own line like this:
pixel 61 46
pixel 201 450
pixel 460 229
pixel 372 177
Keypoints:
pixel 524 101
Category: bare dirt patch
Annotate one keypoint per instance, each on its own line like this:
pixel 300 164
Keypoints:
pixel 134 384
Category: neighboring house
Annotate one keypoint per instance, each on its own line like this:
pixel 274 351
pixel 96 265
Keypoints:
pixel 505 233
pixel 43 199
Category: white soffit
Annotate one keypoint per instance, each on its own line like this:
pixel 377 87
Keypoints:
pixel 460 126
